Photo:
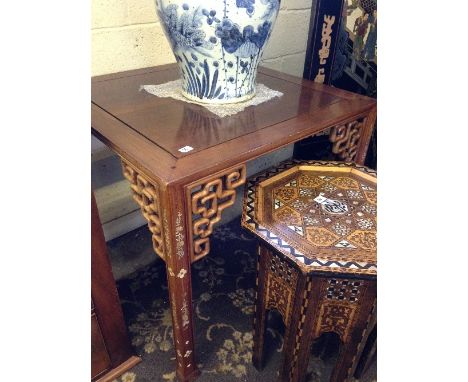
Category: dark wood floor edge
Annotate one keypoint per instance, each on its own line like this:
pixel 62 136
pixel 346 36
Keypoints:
pixel 119 370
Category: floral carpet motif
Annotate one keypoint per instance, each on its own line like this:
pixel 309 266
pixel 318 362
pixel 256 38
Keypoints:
pixel 223 298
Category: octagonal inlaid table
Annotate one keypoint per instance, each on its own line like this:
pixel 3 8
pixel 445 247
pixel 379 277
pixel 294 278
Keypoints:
pixel 184 163
pixel 317 228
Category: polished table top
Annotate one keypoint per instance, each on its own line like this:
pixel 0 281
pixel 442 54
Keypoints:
pixel 136 123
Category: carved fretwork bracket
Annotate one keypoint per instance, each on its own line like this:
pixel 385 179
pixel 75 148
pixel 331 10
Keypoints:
pixel 345 139
pixel 208 198
pixel 147 196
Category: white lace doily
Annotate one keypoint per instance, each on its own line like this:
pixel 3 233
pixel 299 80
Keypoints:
pixel 172 89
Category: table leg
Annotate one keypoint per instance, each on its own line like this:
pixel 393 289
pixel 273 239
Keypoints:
pixel 369 331
pixel 260 313
pixel 164 208
pixel 352 347
pixel 299 335
pixel 369 352
pixel 180 282
pixel 365 137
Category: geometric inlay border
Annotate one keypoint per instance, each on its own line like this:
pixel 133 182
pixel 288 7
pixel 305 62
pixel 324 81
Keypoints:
pixel 317 263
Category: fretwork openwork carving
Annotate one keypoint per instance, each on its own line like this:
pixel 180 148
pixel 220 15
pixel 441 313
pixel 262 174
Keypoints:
pixel 343 290
pixel 345 139
pixel 208 199
pixel 281 286
pixel 335 317
pixel 146 195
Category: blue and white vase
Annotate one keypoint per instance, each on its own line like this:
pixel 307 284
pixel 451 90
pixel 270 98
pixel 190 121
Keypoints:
pixel 218 44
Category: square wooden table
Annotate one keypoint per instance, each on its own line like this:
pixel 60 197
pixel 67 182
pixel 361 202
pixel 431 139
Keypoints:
pixel 185 163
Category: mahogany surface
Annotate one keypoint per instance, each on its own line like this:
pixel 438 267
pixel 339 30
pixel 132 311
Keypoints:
pixel 135 122
pixel 182 195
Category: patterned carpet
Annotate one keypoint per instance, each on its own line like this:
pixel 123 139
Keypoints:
pixel 223 293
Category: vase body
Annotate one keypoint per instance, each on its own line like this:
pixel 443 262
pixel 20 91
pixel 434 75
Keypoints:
pixel 218 44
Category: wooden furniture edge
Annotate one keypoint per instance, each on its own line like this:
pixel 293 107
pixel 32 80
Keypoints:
pixel 150 165
pixel 314 85
pixel 276 142
pixel 119 370
pixel 158 166
pixel 131 73
pixel 105 296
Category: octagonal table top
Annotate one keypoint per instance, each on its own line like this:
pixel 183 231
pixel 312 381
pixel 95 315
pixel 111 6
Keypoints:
pixel 323 215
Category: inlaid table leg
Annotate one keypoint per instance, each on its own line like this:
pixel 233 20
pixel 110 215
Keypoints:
pixel 260 313
pixel 369 351
pixel 299 334
pixel 351 349
pixel 179 282
pixel 164 209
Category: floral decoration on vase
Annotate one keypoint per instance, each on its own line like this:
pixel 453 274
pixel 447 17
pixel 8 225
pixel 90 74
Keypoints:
pixel 218 45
